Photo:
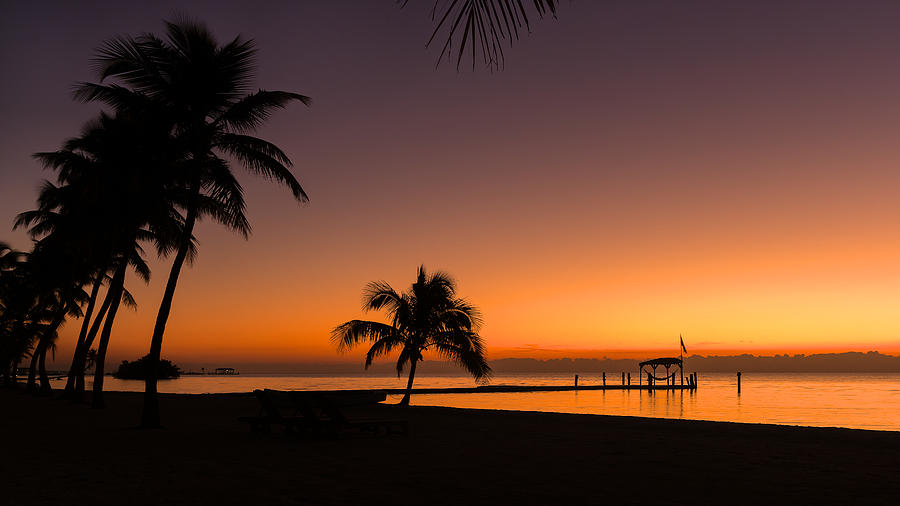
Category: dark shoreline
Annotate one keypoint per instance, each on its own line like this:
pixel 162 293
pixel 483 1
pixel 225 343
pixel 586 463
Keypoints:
pixel 452 456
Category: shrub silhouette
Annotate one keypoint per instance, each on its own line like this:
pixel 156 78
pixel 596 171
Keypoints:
pixel 140 368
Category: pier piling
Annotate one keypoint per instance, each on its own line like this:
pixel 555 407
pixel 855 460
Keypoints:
pixel 739 382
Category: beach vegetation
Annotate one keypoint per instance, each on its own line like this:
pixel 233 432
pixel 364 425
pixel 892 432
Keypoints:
pixel 140 368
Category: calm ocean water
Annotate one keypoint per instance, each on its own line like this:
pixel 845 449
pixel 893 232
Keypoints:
pixel 855 400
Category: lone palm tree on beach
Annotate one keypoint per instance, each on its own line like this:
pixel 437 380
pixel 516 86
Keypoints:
pixel 428 316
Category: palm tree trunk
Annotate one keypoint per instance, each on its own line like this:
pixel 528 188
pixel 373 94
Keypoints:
pixel 150 416
pixel 412 374
pixel 115 288
pixel 30 385
pixel 46 342
pixel 85 325
pixel 45 388
pixel 78 394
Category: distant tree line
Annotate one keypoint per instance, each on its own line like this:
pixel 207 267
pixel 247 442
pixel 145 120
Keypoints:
pixel 821 362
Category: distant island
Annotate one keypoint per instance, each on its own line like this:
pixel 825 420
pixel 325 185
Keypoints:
pixel 137 370
pixel 853 361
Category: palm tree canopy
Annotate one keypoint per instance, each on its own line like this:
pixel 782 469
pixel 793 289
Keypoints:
pixel 427 317
pixel 206 88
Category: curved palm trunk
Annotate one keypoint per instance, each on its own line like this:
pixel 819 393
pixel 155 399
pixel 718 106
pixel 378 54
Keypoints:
pixel 45 388
pixel 78 394
pixel 30 384
pixel 82 335
pixel 118 282
pixel 150 416
pixel 46 340
pixel 412 374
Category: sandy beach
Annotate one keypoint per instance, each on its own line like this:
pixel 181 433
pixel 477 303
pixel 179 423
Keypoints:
pixel 59 453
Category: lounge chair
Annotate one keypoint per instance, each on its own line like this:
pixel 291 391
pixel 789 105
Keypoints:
pixel 333 421
pixel 272 405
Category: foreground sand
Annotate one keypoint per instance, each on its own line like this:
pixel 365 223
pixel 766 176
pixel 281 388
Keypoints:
pixel 57 453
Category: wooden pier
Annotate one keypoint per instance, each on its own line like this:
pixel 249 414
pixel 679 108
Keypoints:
pixel 488 389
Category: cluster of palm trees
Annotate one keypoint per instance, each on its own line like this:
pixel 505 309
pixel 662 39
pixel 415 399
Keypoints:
pixel 181 113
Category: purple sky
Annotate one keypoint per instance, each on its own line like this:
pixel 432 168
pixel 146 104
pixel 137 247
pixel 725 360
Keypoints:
pixel 624 137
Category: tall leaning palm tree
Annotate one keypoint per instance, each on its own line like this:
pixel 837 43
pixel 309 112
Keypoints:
pixel 205 88
pixel 427 317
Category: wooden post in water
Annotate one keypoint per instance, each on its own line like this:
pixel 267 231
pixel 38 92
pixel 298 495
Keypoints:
pixel 604 379
pixel 629 379
pixel 576 381
pixel 623 378
pixel 739 382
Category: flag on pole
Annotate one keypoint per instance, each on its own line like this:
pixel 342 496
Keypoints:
pixel 682 343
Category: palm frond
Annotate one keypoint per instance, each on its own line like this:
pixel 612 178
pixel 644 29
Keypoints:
pixel 383 346
pixel 348 334
pixel 379 294
pixel 134 61
pixel 257 156
pixel 466 350
pixel 482 26
pixel 251 111
pixel 129 300
pixel 113 95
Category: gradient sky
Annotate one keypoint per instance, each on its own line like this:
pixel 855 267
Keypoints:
pixel 725 170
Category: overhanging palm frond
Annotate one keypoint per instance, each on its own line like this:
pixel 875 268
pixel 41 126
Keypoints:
pixel 482 26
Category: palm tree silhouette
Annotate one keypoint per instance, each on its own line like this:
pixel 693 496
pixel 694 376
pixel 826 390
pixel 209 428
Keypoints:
pixel 205 89
pixel 17 307
pixel 428 316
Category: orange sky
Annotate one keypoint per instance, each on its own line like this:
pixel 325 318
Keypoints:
pixel 636 172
